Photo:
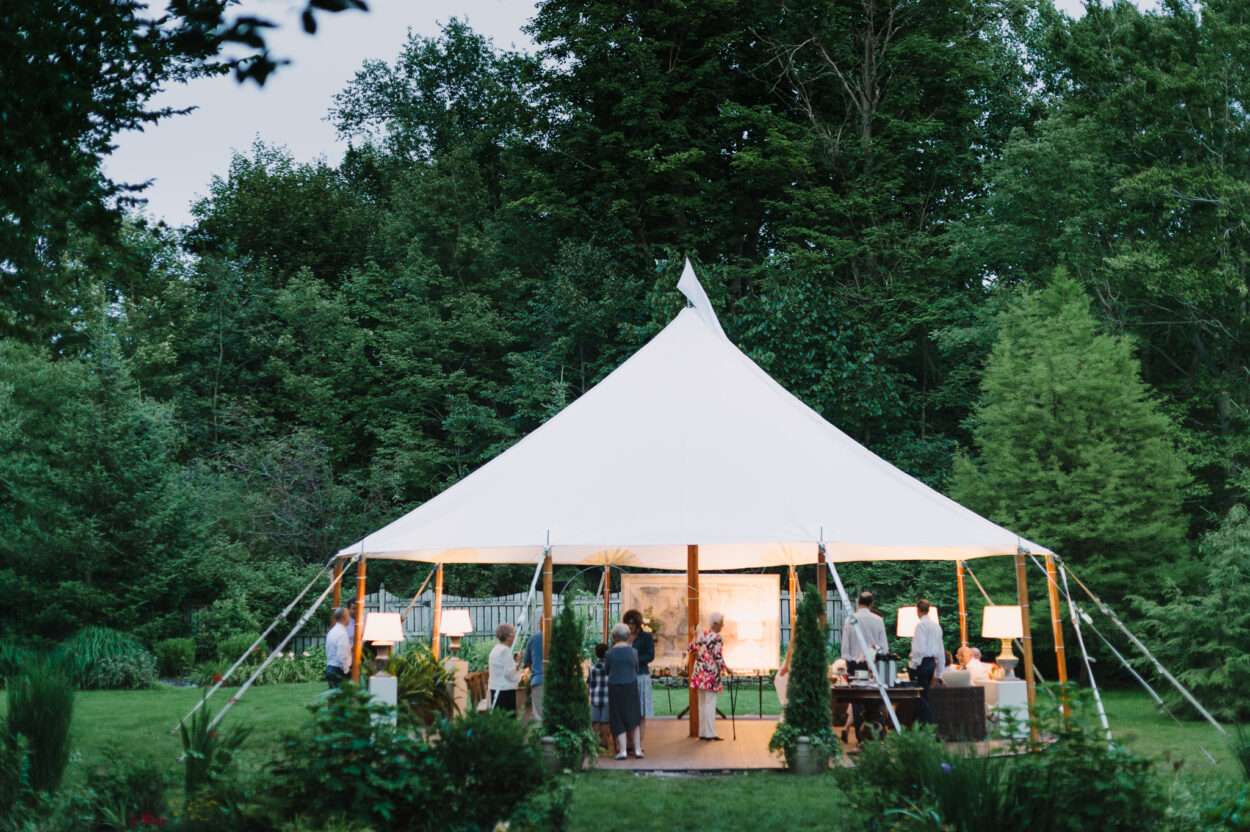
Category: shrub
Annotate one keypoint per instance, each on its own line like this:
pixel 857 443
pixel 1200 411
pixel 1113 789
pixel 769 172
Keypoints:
pixel 231 647
pixel 425 686
pixel 175 657
pixel 128 794
pixel 98 658
pixel 494 761
pixel 207 754
pixel 566 702
pixel 12 657
pixel 41 707
pixel 14 773
pixel 809 707
pixel 225 617
pixel 351 761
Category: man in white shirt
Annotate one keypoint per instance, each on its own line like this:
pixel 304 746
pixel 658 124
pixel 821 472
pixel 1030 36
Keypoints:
pixel 872 628
pixel 978 671
pixel 338 649
pixel 928 656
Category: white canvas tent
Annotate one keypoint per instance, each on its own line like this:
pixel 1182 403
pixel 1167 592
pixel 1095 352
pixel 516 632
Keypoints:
pixel 688 442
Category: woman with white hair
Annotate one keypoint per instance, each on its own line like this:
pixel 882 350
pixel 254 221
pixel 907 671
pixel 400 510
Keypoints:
pixel 709 665
pixel 504 674
pixel 624 709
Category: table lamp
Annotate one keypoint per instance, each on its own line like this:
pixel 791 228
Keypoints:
pixel 908 618
pixel 383 630
pixel 455 624
pixel 1005 623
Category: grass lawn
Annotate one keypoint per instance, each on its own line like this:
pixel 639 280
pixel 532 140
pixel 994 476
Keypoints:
pixel 137 723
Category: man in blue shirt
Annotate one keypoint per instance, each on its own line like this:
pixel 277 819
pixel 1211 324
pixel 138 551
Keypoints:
pixel 534 661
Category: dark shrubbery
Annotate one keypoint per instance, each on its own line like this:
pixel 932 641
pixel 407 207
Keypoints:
pixel 98 658
pixel 41 708
pixel 425 686
pixel 175 657
pixel 482 769
pixel 912 781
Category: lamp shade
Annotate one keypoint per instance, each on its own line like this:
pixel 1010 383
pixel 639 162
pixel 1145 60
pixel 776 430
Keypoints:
pixel 1002 622
pixel 455 623
pixel 384 628
pixel 908 617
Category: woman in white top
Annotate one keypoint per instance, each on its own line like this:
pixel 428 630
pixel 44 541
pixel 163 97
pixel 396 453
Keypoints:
pixel 504 673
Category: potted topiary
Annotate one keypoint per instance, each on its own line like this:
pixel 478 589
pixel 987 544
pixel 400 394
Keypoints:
pixel 567 741
pixel 805 736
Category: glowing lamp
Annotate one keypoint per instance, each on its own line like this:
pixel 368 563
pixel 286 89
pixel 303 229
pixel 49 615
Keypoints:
pixel 1005 623
pixel 909 617
pixel 383 630
pixel 455 624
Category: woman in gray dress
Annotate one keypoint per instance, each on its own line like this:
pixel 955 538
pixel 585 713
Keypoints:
pixel 624 713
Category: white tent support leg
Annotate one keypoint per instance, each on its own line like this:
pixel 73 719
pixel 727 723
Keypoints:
pixel 260 640
pixel 1075 614
pixel 863 643
pixel 299 625
pixel 1163 671
pixel 529 601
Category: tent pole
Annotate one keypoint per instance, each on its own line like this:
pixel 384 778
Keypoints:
pixel 1056 625
pixel 337 583
pixel 547 581
pixel 436 624
pixel 1022 596
pixel 692 630
pixel 607 604
pixel 794 600
pixel 963 603
pixel 358 641
pixel 822 587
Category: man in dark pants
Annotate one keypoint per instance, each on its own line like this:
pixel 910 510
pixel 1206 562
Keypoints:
pixel 872 628
pixel 928 657
pixel 338 649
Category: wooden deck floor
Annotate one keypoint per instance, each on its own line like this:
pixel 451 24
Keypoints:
pixel 669 748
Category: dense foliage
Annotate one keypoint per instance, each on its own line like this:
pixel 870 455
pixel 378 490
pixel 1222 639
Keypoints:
pixel 808 700
pixel 192 420
pixel 566 699
pixel 39 711
pixel 1203 632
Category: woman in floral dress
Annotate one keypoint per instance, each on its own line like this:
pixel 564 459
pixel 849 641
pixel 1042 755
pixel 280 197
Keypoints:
pixel 709 665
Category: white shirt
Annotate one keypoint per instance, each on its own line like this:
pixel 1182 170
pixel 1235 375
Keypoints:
pixel 873 629
pixel 926 642
pixel 339 648
pixel 978 671
pixel 503 670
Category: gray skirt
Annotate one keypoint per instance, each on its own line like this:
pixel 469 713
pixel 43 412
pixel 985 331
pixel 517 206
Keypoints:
pixel 623 710
pixel 645 703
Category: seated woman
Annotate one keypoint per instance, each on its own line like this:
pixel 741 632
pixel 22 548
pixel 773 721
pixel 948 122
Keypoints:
pixel 504 673
pixel 624 710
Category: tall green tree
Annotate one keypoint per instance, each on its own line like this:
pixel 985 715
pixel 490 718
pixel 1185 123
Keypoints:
pixel 1073 450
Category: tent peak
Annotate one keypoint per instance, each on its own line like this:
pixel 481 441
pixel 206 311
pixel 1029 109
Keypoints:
pixel 690 286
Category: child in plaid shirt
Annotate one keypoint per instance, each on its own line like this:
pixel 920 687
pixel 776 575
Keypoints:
pixel 597 683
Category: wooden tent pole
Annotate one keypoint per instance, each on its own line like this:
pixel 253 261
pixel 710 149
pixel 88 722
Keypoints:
pixel 794 600
pixel 607 605
pixel 1056 624
pixel 547 582
pixel 692 629
pixel 337 582
pixel 822 587
pixel 963 603
pixel 1022 595
pixel 359 638
pixel 436 625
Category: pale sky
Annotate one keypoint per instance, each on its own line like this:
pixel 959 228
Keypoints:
pixel 182 153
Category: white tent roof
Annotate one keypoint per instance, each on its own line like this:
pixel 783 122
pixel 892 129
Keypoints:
pixel 688 441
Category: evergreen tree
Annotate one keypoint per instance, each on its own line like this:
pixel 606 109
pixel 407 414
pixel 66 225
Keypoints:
pixel 1202 635
pixel 809 705
pixel 566 701
pixel 1072 449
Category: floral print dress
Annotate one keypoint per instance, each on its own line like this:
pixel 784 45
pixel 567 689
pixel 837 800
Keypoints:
pixel 709 661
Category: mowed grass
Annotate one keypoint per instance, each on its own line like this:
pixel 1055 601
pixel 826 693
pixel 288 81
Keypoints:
pixel 116 724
